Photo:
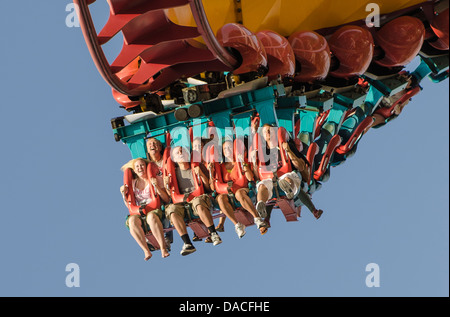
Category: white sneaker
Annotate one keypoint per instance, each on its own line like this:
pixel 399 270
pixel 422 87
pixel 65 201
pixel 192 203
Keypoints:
pixel 260 223
pixel 287 188
pixel 215 238
pixel 240 229
pixel 261 209
pixel 187 249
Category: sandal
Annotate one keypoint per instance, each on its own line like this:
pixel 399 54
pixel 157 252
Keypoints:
pixel 317 213
pixel 220 228
pixel 208 240
pixel 195 238
pixel 263 230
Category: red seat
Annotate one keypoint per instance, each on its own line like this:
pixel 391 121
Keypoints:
pixel 263 171
pixel 133 208
pixel 331 147
pixel 196 224
pixel 321 119
pixel 386 112
pixel 169 171
pixel 287 207
pixel 362 128
pixel 239 181
pixel 313 150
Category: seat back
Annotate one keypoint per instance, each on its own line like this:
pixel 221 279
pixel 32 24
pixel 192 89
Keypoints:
pixel 264 171
pixel 133 208
pixel 169 171
pixel 239 180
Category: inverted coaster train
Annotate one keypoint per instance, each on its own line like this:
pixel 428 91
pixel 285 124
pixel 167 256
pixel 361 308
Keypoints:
pixel 325 72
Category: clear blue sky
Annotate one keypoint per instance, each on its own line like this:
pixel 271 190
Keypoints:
pixel 61 204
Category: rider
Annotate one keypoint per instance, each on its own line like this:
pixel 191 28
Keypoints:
pixel 289 181
pixel 236 174
pixel 144 206
pixel 187 183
